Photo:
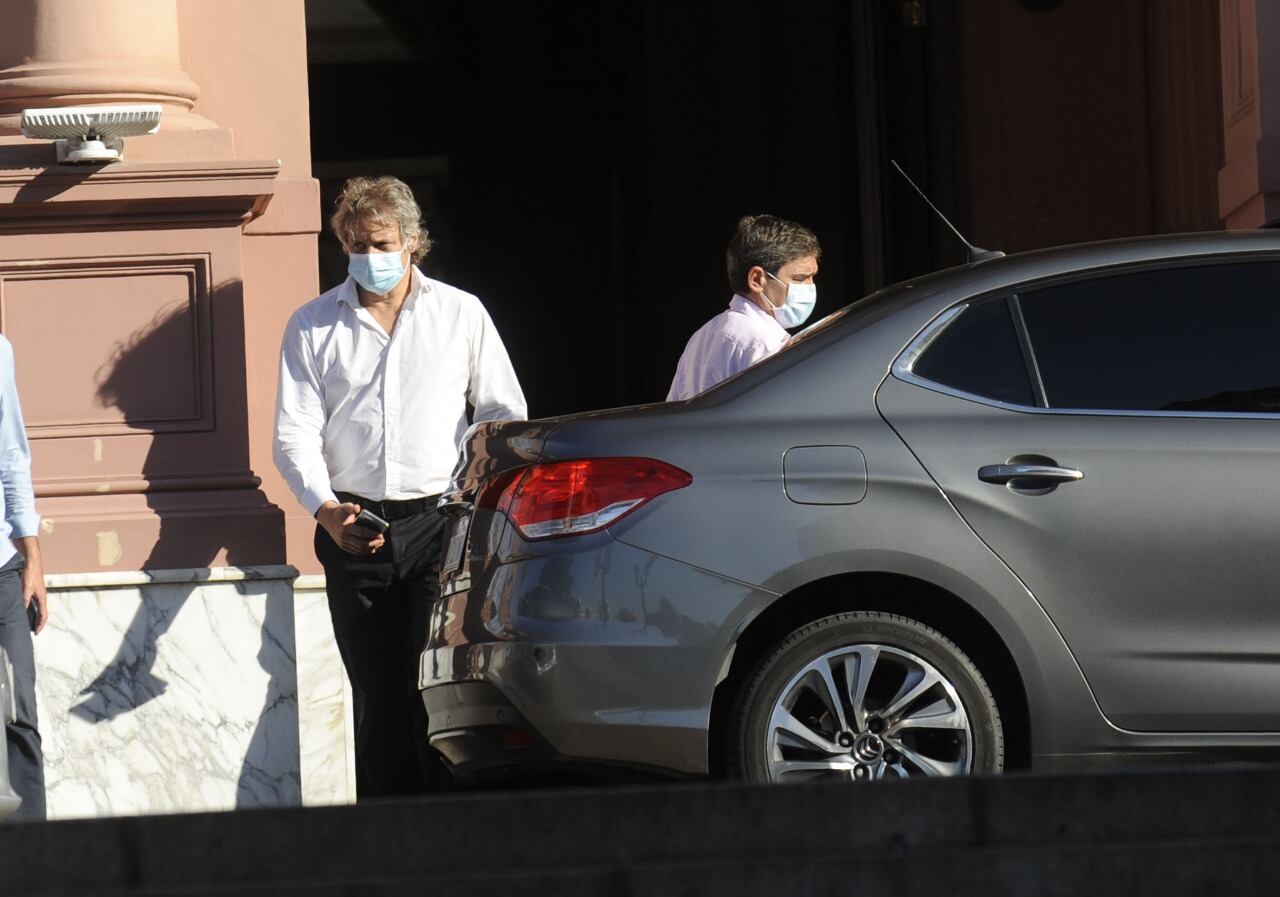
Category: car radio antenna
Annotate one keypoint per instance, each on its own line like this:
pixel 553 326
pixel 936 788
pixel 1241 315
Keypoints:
pixel 975 254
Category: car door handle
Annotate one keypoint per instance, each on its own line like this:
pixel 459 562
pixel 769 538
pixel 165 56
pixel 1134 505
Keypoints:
pixel 1003 473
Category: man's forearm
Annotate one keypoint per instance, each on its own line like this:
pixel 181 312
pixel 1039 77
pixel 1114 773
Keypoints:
pixel 28 547
pixel 305 473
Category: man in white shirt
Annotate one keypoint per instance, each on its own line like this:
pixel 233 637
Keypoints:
pixel 771 265
pixel 375 379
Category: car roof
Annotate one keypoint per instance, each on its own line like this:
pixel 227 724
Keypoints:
pixel 1106 253
pixel 979 277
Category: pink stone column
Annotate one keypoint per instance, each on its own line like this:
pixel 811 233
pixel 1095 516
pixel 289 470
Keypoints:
pixel 85 52
pixel 145 299
pixel 1249 181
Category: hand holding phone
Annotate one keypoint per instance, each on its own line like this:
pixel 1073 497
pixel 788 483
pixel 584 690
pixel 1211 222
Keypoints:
pixel 370 520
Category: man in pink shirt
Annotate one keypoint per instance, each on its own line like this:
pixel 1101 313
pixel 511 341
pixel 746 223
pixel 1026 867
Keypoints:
pixel 771 265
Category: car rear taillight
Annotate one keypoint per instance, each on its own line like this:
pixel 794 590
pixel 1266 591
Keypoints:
pixel 495 493
pixel 562 498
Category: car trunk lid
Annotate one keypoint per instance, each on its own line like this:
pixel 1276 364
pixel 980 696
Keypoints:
pixel 489 449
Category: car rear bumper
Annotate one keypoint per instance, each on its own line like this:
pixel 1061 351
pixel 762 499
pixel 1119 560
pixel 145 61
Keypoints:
pixel 479 731
pixel 606 655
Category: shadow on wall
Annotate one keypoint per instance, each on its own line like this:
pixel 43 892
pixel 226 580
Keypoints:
pixel 195 532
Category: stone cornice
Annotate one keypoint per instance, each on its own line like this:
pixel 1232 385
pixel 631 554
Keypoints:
pixel 108 579
pixel 132 194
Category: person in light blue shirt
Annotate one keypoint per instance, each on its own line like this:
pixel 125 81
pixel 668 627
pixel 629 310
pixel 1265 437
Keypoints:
pixel 24 608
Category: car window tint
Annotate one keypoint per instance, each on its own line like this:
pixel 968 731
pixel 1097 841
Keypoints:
pixel 1181 339
pixel 978 353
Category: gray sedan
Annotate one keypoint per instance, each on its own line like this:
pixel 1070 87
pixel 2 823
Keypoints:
pixel 1016 513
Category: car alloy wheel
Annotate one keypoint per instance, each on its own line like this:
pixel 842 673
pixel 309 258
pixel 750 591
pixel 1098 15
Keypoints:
pixel 863 696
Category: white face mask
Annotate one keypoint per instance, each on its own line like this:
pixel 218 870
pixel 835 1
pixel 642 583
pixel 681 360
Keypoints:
pixel 801 298
pixel 377 272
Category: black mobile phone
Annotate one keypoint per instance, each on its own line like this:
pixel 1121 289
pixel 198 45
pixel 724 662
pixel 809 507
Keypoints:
pixel 372 521
pixel 33 614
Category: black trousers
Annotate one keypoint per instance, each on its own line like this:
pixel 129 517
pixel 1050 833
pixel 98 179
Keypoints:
pixel 381 609
pixel 22 737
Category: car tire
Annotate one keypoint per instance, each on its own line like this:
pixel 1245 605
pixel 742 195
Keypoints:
pixel 865 695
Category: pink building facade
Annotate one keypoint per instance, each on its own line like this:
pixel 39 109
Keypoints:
pixel 145 301
pixel 189 664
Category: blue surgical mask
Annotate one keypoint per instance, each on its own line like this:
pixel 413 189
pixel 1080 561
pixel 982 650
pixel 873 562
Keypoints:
pixel 377 272
pixel 801 298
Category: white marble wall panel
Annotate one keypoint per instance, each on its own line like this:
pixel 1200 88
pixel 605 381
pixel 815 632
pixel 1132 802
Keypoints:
pixel 324 701
pixel 170 691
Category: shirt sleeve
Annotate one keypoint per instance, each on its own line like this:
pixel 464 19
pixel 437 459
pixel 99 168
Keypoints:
pixel 681 384
pixel 493 391
pixel 676 392
pixel 15 454
pixel 300 419
pixel 704 365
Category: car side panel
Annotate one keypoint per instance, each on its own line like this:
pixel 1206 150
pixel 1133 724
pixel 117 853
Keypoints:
pixel 1158 566
pixel 737 521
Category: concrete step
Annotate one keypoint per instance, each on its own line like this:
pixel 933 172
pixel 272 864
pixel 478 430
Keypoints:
pixel 1183 831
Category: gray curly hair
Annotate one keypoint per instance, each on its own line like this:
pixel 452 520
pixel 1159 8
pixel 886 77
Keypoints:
pixel 382 201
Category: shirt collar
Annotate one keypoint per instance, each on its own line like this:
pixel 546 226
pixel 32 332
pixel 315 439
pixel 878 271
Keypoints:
pixel 347 292
pixel 743 305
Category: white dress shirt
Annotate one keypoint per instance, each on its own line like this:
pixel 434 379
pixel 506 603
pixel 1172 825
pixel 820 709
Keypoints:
pixel 382 416
pixel 734 339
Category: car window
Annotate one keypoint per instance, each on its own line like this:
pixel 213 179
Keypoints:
pixel 978 353
pixel 1181 339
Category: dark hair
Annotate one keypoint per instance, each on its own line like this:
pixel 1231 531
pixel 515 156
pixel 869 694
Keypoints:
pixel 768 242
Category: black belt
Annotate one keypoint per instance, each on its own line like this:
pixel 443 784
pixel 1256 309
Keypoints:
pixel 389 508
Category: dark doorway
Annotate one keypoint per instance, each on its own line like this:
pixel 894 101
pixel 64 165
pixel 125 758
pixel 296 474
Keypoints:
pixel 581 166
